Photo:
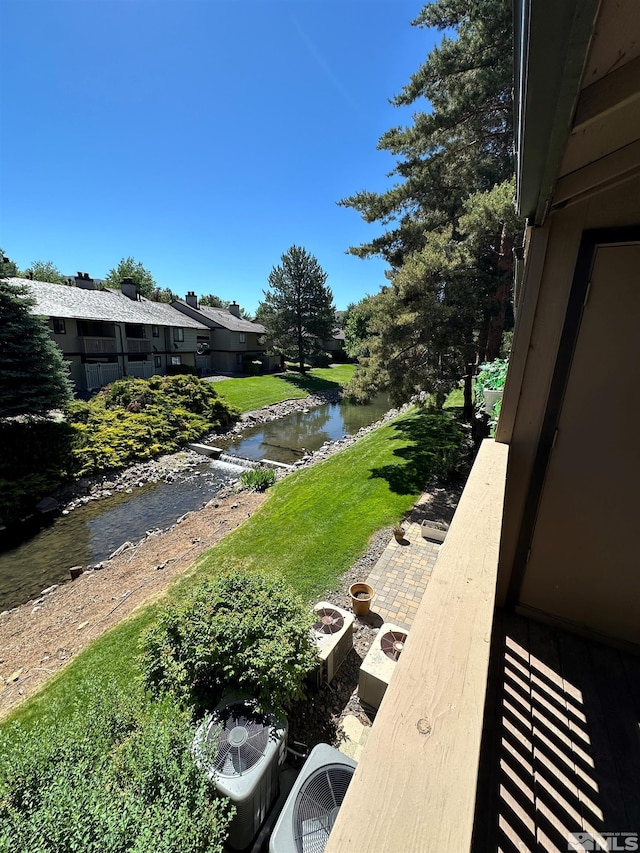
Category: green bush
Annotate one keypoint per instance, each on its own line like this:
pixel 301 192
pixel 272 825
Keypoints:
pixel 243 632
pixel 322 359
pixel 258 479
pixel 181 369
pixel 251 365
pixel 115 776
pixel 491 375
pixel 36 457
pixel 135 419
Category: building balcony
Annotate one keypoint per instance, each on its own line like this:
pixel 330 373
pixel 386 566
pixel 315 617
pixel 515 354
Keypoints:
pixel 98 346
pixel 138 345
pixel 415 786
pixel 497 732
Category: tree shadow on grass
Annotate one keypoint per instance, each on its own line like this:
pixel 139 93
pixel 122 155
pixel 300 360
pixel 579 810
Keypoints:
pixel 434 449
pixel 310 384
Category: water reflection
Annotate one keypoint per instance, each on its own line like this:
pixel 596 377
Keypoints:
pixel 92 532
pixel 287 439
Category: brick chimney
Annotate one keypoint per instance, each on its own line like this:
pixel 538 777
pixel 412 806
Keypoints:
pixel 234 309
pixel 128 288
pixel 85 281
pixel 192 300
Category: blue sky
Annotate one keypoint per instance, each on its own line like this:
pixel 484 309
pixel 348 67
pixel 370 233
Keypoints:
pixel 201 137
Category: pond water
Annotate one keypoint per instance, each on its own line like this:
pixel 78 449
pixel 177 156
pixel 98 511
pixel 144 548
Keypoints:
pixel 92 532
pixel 287 439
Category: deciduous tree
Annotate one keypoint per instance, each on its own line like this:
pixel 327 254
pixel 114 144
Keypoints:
pixel 130 268
pixel 45 271
pixel 298 311
pixel 210 300
pixel 162 294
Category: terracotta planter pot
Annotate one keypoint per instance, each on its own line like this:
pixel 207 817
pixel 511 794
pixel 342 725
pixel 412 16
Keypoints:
pixel 361 597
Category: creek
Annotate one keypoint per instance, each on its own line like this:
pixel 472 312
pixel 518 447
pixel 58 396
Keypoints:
pixel 91 532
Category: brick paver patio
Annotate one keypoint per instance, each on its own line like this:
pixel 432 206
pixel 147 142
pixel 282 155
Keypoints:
pixel 401 575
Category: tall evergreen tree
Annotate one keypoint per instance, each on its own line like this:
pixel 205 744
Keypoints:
pixel 464 144
pixel 33 375
pixel 451 215
pixel 298 311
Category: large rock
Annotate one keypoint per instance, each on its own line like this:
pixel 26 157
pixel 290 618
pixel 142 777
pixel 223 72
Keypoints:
pixel 47 504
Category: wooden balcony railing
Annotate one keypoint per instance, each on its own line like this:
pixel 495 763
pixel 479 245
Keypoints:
pixel 138 345
pixel 98 346
pixel 415 786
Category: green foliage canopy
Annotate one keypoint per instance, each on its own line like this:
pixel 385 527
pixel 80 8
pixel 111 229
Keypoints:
pixel 298 311
pixel 45 271
pixel 7 267
pixel 130 268
pixel 34 378
pixel 210 300
pixel 453 224
pixel 247 632
pixel 135 419
pixel 112 776
pixel 163 294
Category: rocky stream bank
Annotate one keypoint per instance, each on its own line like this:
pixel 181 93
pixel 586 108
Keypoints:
pixel 41 636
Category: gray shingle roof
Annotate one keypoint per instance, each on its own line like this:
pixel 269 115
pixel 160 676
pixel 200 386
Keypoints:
pixel 227 320
pixel 59 300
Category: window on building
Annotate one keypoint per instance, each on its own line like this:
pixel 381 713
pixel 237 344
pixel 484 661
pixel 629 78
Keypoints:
pixel 178 334
pixel 59 326
pixel 243 338
pixel 175 359
pixel 157 361
pixel 155 331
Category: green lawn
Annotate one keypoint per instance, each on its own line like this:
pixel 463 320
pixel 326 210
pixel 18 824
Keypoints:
pixel 313 526
pixel 254 392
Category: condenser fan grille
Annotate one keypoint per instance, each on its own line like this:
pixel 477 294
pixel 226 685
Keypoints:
pixel 240 736
pixel 392 644
pixel 329 621
pixel 317 806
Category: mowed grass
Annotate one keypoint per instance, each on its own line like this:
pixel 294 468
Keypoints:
pixel 253 392
pixel 313 526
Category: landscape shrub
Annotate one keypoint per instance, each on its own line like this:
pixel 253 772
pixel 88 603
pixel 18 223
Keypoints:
pixel 181 369
pixel 258 479
pixel 135 419
pixel 491 375
pixel 115 776
pixel 243 632
pixel 322 359
pixel 35 458
pixel 251 365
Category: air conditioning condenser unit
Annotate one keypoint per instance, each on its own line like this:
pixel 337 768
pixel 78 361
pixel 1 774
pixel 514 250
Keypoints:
pixel 241 750
pixel 379 664
pixel 311 808
pixel 333 633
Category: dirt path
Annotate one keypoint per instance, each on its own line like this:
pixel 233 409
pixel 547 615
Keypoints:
pixel 40 637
